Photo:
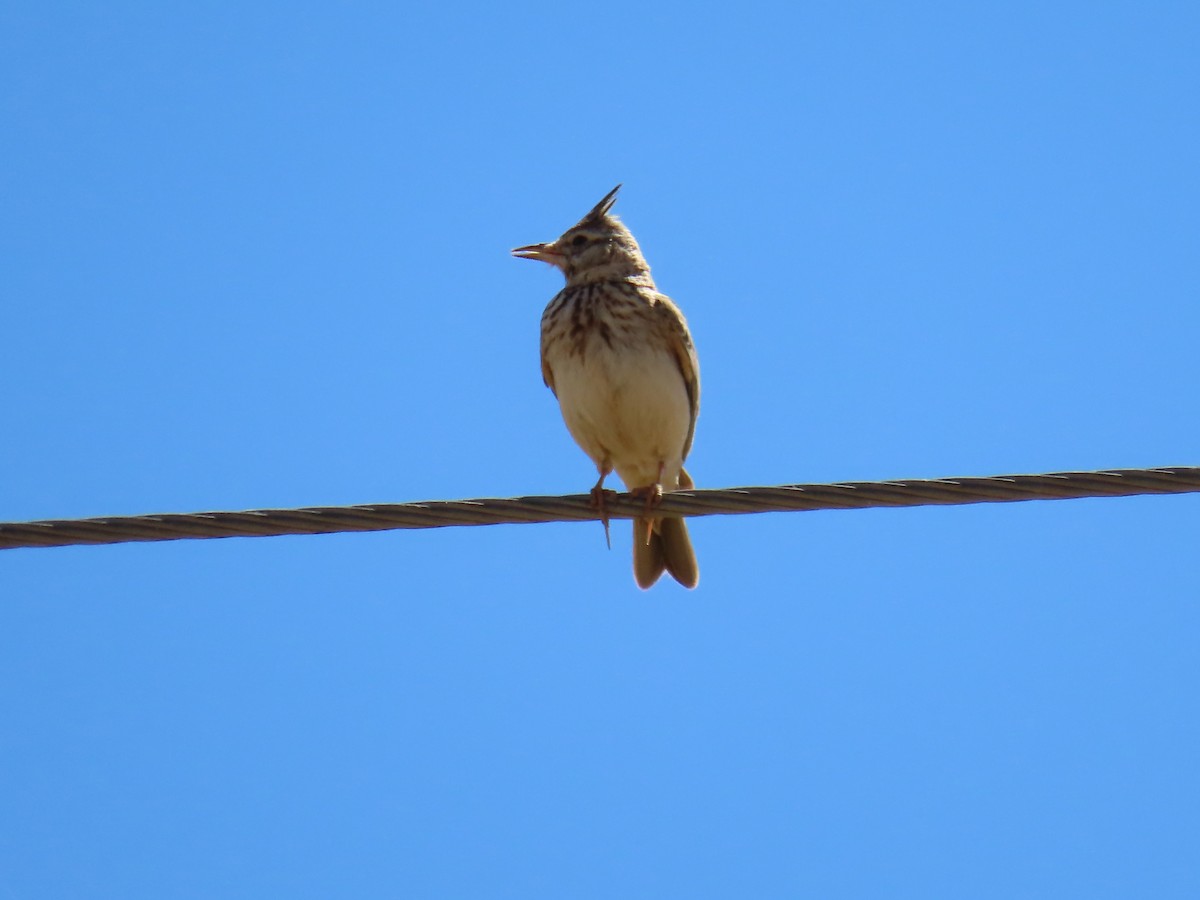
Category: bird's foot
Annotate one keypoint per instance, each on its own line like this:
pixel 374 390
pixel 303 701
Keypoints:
pixel 653 494
pixel 600 504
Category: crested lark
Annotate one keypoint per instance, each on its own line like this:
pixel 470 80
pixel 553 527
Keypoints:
pixel 619 357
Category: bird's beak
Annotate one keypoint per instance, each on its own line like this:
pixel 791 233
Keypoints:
pixel 547 253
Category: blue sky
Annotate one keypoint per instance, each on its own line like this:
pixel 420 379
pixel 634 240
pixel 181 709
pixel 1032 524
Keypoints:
pixel 259 257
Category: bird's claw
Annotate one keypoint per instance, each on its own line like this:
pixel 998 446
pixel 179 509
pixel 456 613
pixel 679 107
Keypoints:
pixel 653 494
pixel 600 504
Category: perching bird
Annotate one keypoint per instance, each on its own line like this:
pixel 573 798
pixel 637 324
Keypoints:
pixel 619 357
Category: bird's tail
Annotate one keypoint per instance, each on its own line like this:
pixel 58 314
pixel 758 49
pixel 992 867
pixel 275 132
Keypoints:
pixel 663 545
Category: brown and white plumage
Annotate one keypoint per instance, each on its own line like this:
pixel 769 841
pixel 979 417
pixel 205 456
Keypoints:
pixel 619 357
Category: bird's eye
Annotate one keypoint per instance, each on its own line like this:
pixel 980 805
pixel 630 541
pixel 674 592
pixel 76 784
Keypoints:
pixel 579 240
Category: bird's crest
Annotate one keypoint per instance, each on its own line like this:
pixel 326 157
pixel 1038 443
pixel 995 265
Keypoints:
pixel 600 210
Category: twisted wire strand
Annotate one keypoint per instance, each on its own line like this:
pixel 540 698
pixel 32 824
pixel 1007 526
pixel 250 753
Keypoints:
pixel 577 507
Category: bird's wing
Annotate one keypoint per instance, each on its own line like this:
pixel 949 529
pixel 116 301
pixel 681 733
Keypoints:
pixel 674 328
pixel 547 375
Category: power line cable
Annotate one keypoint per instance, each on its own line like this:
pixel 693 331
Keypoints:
pixel 577 507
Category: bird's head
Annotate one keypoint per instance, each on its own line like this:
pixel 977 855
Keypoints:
pixel 598 248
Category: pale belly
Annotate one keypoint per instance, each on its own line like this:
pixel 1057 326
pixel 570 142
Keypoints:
pixel 627 409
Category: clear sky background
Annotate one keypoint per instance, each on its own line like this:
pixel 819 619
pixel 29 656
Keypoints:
pixel 257 255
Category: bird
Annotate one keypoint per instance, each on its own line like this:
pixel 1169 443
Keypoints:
pixel 619 357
